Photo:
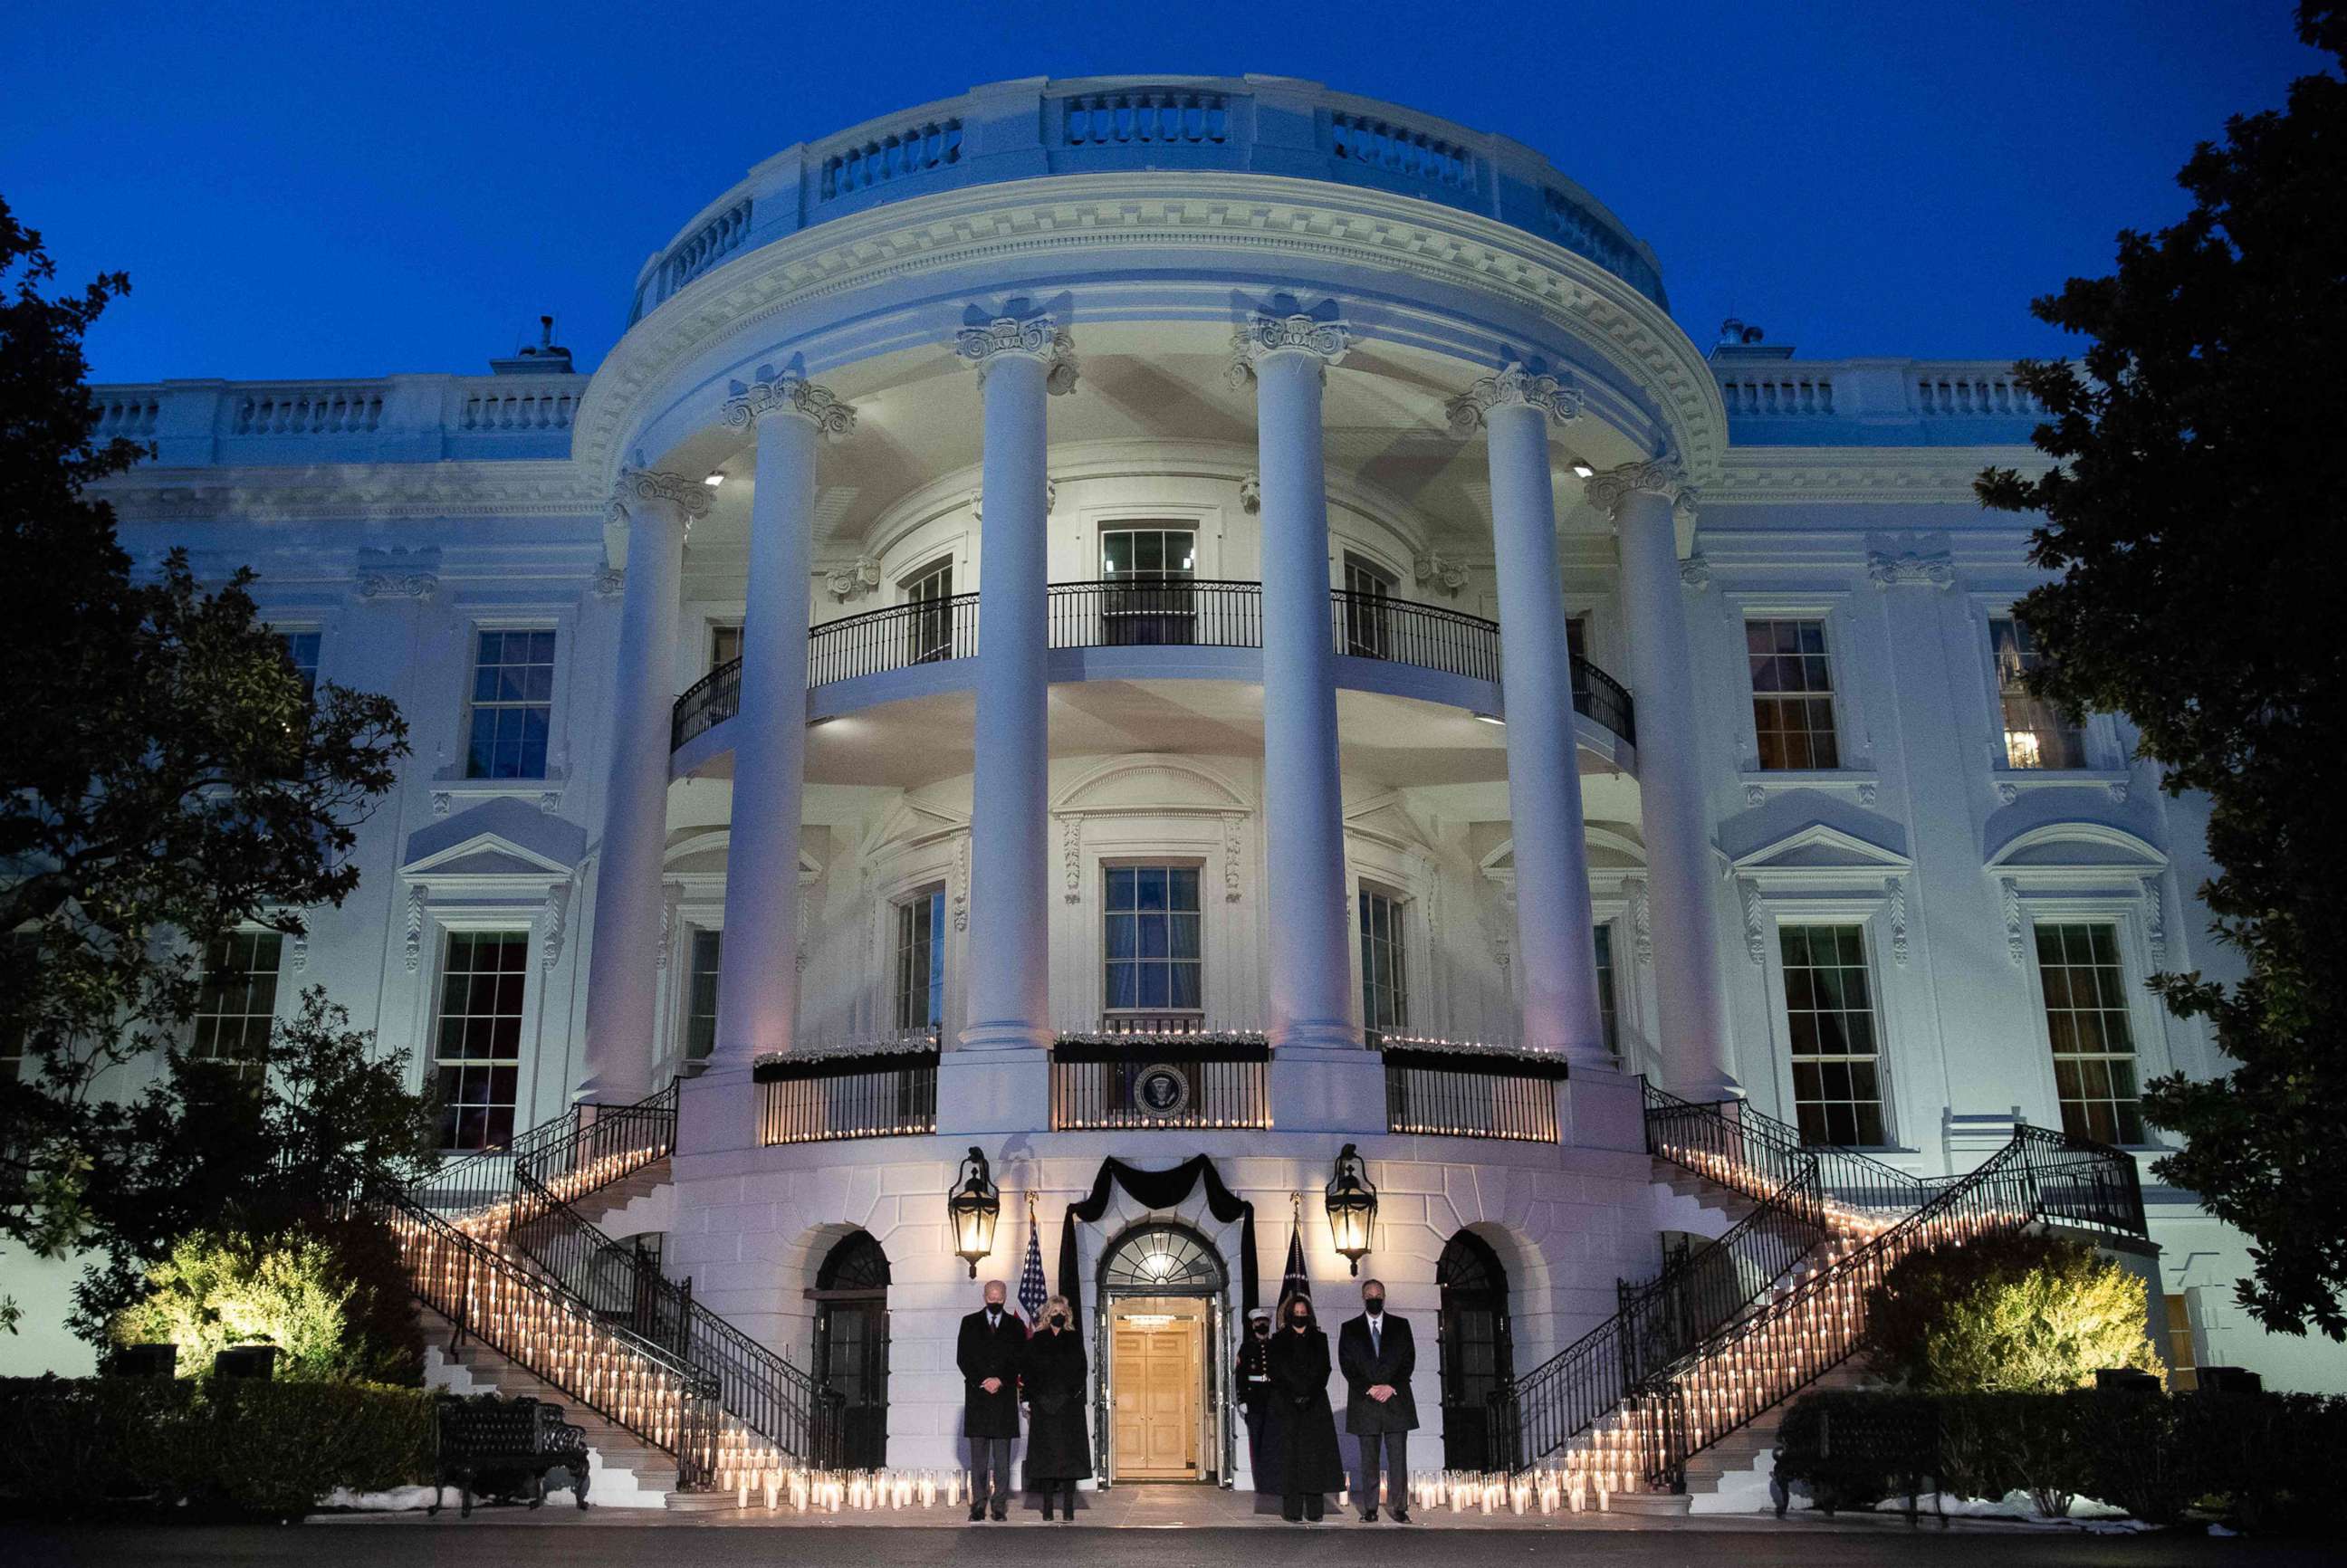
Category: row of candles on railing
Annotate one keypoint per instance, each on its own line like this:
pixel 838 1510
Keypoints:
pixel 491 1221
pixel 521 1315
pixel 1741 1177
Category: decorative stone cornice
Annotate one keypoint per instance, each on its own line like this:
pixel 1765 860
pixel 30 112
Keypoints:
pixel 1436 570
pixel 1325 341
pixel 1514 386
pixel 638 487
pixel 789 392
pixel 415 585
pixel 853 581
pixel 1609 490
pixel 1695 571
pixel 1911 568
pixel 1033 337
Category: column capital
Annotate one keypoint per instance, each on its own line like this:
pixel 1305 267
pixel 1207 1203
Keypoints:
pixel 1608 491
pixel 1512 387
pixel 1266 334
pixel 788 393
pixel 637 487
pixel 1031 337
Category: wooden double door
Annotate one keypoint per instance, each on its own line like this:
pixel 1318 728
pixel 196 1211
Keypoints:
pixel 1158 1423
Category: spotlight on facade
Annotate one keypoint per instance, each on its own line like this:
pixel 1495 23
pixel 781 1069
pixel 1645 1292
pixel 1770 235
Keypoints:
pixel 1487 719
pixel 714 479
pixel 1352 1203
pixel 974 1205
pixel 1582 470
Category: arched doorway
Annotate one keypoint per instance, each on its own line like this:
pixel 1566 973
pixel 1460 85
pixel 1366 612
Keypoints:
pixel 1164 1355
pixel 851 1346
pixel 1472 1333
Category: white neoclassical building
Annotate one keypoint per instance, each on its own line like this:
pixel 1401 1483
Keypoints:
pixel 1168 620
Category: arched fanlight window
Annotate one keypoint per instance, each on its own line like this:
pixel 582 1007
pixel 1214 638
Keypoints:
pixel 1162 1257
pixel 856 1263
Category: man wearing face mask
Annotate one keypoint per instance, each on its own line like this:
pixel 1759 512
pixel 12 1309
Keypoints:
pixel 1377 1356
pixel 1253 1381
pixel 992 1342
pixel 1310 1467
pixel 1059 1441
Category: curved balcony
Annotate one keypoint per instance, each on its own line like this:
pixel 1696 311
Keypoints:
pixel 1260 125
pixel 1170 614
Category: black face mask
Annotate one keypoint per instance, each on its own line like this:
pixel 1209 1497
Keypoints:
pixel 1262 1330
pixel 1300 1324
pixel 1374 1304
pixel 1058 1320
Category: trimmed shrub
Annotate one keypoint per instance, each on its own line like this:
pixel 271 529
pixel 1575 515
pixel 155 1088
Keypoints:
pixel 2264 1460
pixel 328 1293
pixel 2006 1314
pixel 190 1448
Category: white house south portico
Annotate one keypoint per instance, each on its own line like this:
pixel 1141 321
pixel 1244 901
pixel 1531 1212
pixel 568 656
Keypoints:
pixel 1159 631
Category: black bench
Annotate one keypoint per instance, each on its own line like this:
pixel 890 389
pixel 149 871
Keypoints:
pixel 504 1449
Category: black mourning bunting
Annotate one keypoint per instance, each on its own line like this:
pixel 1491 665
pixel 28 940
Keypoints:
pixel 1158 1190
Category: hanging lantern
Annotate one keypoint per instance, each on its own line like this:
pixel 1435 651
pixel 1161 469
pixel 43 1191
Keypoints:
pixel 1352 1206
pixel 974 1205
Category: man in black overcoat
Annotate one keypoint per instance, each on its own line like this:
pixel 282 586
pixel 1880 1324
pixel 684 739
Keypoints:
pixel 1376 1355
pixel 993 1340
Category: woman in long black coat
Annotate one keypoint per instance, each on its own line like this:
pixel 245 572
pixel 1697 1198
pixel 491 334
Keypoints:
pixel 1051 1377
pixel 1310 1466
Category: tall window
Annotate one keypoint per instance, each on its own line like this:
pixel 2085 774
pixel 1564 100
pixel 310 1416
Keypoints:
pixel 1369 627
pixel 513 702
pixel 1829 1018
pixel 1152 939
pixel 930 626
pixel 301 648
pixel 1608 1013
pixel 921 959
pixel 2093 1040
pixel 1385 977
pixel 478 1046
pixel 1792 693
pixel 1152 600
pixel 236 1002
pixel 2036 735
pixel 725 645
pixel 701 995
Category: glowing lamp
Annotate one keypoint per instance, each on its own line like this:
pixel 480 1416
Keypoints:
pixel 1352 1203
pixel 974 1205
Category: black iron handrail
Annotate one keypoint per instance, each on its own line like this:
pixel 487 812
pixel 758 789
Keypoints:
pixel 1150 611
pixel 625 1287
pixel 568 1146
pixel 1730 1143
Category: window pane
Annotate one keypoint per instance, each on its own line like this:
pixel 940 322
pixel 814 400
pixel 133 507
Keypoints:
pixel 1792 706
pixel 480 1035
pixel 920 960
pixel 513 694
pixel 2090 1030
pixel 2036 733
pixel 1829 1028
pixel 1151 939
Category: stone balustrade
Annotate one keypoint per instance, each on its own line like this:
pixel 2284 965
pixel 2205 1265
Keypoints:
pixel 1028 130
pixel 1873 402
pixel 382 419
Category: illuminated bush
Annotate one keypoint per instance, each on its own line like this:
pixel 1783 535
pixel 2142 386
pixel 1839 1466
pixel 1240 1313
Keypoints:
pixel 317 1293
pixel 2018 1314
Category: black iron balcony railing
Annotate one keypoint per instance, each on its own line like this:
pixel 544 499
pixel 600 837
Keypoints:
pixel 888 1092
pixel 1453 1093
pixel 1150 612
pixel 1157 1082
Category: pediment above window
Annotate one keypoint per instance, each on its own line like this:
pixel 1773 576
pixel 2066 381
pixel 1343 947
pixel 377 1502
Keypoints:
pixel 498 846
pixel 1818 856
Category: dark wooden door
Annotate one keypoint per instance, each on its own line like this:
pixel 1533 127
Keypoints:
pixel 1473 1334
pixel 851 1347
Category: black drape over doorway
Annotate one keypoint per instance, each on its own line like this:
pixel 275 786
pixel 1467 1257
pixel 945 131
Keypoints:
pixel 1157 1190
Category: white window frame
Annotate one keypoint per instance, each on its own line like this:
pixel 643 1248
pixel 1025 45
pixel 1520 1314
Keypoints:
pixel 565 649
pixel 1886 1097
pixel 940 888
pixel 476 923
pixel 2152 1057
pixel 277 992
pixel 1403 906
pixel 1174 860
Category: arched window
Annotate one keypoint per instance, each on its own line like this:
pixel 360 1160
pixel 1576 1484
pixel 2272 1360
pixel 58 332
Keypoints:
pixel 1162 1259
pixel 851 1346
pixel 1472 1332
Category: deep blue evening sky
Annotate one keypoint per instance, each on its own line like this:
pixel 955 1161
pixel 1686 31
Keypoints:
pixel 329 190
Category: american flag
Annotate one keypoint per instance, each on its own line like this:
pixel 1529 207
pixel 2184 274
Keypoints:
pixel 1032 1291
pixel 1296 1282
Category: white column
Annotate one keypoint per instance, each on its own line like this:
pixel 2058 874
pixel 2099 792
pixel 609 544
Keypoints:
pixel 1556 940
pixel 621 976
pixel 1698 1057
pixel 1311 989
pixel 758 981
pixel 1020 361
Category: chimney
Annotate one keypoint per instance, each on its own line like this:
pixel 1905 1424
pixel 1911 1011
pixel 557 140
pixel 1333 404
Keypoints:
pixel 1741 341
pixel 544 357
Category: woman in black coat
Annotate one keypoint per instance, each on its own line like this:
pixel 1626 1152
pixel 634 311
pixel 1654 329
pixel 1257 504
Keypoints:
pixel 1310 1466
pixel 1059 1440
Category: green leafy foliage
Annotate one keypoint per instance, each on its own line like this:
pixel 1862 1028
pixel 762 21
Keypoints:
pixel 315 1293
pixel 165 777
pixel 2021 1313
pixel 100 1448
pixel 2194 449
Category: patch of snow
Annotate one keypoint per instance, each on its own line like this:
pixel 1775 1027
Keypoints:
pixel 398 1500
pixel 2221 1533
